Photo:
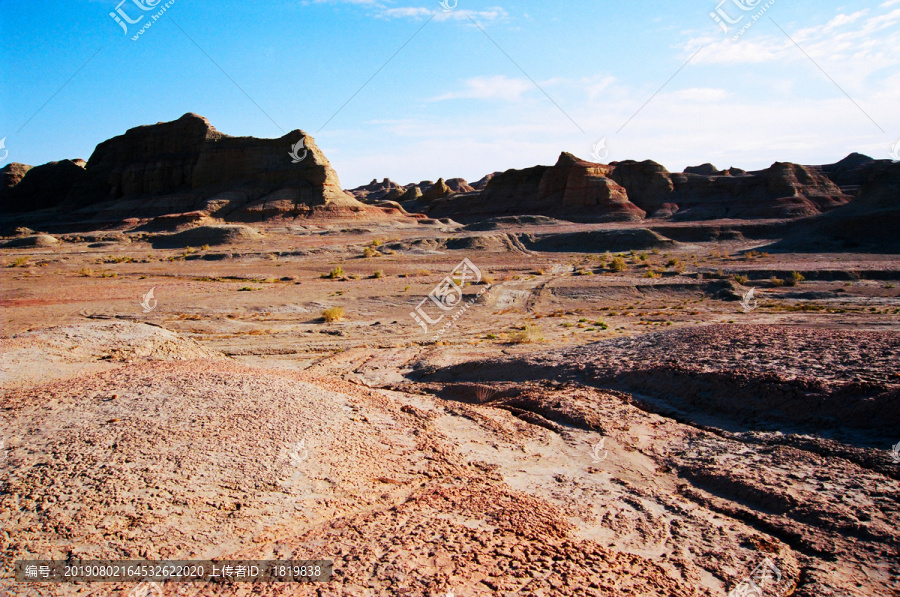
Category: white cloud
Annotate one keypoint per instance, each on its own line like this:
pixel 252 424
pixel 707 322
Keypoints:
pixel 497 87
pixel 701 94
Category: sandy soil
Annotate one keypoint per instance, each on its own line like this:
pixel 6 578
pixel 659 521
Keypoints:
pixel 574 432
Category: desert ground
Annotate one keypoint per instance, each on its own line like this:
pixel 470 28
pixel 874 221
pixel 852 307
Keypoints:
pixel 604 412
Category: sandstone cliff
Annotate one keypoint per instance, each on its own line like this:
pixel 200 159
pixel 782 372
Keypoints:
pixel 180 166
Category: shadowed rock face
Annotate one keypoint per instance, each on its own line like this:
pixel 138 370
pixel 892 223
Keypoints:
pixel 867 224
pixel 237 177
pixel 28 189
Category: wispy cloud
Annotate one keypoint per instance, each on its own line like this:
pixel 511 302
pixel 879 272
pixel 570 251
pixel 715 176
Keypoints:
pixel 490 88
pixel 433 11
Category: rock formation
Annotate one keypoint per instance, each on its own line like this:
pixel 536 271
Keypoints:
pixel 869 223
pixel 572 189
pixel 181 166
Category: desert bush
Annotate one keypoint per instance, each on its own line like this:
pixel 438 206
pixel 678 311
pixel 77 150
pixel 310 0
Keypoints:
pixel 651 274
pixel 741 279
pixel 796 278
pixel 86 272
pixel 334 274
pixel 377 242
pixel 618 265
pixel 776 281
pixel 378 274
pixel 333 314
pixel 528 334
pixel 369 252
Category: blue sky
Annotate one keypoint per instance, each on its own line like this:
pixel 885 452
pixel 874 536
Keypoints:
pixel 468 94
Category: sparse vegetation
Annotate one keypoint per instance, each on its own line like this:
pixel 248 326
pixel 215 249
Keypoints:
pixel 334 274
pixel 776 281
pixel 528 334
pixel 86 272
pixel 618 265
pixel 378 274
pixel 333 314
pixel 741 279
pixel 796 278
pixel 369 252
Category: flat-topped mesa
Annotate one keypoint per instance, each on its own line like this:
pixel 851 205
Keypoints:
pixel 186 164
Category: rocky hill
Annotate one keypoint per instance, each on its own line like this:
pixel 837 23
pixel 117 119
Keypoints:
pixel 579 190
pixel 176 167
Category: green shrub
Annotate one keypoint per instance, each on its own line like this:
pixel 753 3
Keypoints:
pixel 334 274
pixel 617 265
